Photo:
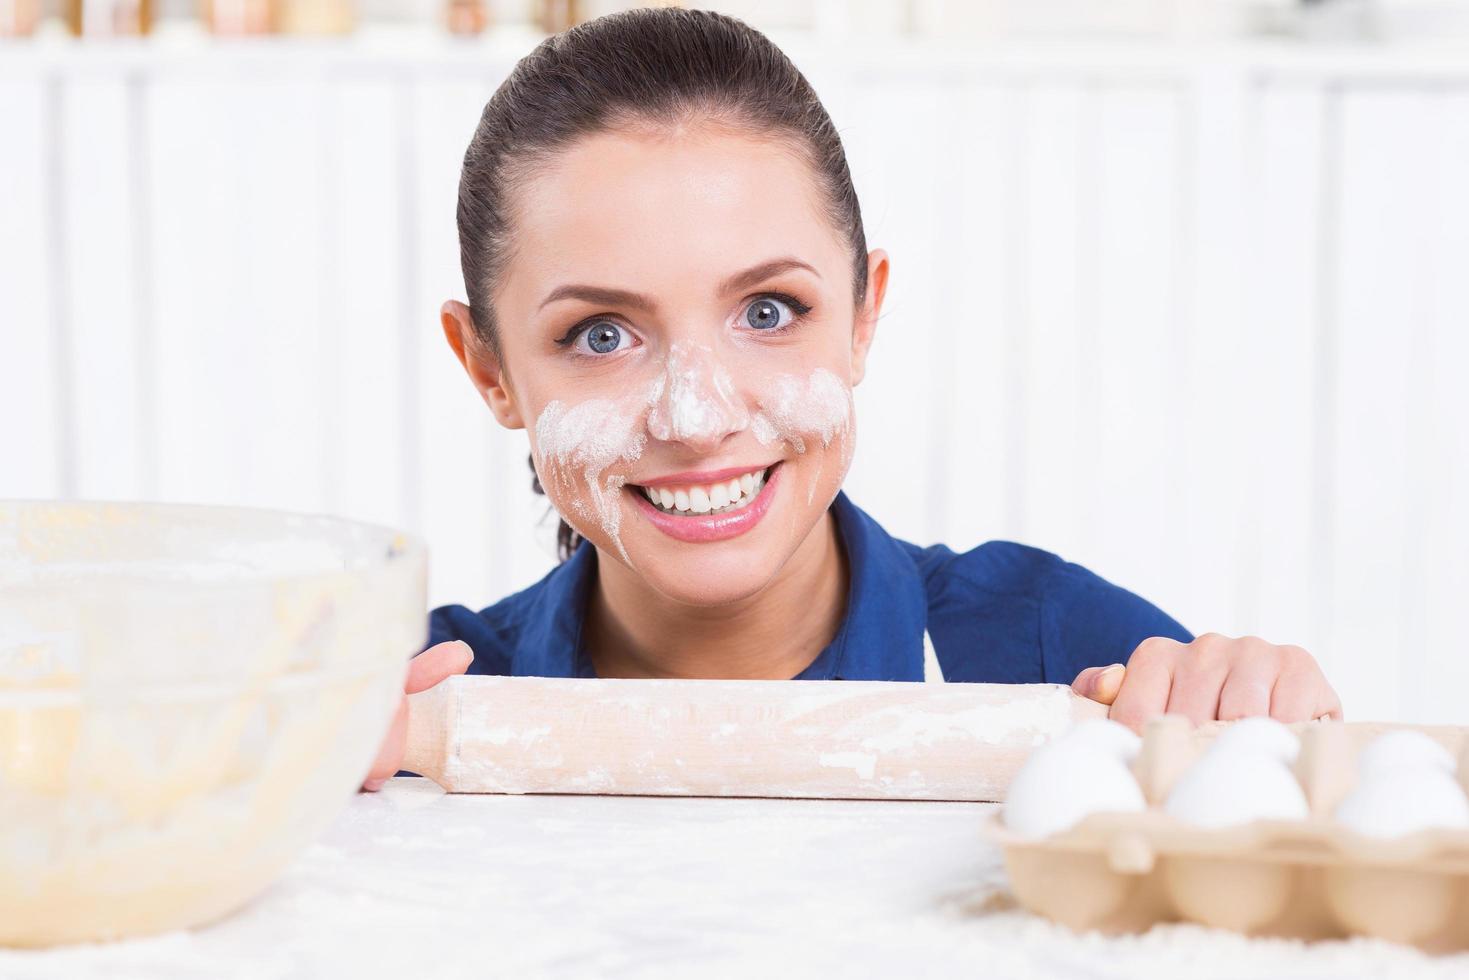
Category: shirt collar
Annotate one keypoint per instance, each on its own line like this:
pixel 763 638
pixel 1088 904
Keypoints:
pixel 551 640
pixel 880 636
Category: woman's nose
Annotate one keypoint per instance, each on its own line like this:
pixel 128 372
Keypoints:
pixel 696 403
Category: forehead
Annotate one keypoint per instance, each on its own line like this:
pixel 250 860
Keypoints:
pixel 674 209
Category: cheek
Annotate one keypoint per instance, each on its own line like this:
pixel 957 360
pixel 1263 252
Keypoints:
pixel 808 413
pixel 844 449
pixel 813 416
pixel 565 490
pixel 823 467
pixel 580 451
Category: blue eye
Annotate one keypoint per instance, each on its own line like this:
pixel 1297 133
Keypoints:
pixel 604 337
pixel 596 338
pixel 764 313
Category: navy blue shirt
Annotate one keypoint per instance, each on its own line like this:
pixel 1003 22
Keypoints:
pixel 1001 612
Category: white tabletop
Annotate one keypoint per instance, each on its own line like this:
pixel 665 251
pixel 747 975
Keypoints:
pixel 414 883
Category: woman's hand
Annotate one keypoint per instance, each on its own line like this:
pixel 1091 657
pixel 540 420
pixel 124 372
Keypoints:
pixel 424 671
pixel 1213 677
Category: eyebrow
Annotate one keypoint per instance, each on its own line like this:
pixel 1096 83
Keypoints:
pixel 621 297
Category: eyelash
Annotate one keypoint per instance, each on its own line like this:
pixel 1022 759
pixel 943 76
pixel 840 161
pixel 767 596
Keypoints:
pixel 798 308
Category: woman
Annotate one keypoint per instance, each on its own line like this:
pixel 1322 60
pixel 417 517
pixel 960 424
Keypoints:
pixel 670 290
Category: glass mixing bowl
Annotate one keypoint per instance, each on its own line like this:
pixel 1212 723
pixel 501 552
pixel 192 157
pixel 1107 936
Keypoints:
pixel 188 694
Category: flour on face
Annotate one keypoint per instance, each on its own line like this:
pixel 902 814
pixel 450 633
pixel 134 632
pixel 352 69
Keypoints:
pixel 794 409
pixel 584 441
pixel 695 398
pixel 692 399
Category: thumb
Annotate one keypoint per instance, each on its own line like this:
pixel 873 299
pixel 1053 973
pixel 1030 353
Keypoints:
pixel 436 663
pixel 424 671
pixel 1100 684
pixel 390 753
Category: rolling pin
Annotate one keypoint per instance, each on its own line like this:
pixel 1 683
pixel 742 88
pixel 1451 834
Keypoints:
pixel 795 739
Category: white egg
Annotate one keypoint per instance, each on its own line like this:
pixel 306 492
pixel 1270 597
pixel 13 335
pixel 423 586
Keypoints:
pixel 1116 740
pixel 1065 781
pixel 1230 787
pixel 1403 749
pixel 1264 736
pixel 1390 803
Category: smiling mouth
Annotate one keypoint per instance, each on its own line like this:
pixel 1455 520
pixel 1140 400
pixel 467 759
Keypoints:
pixel 705 499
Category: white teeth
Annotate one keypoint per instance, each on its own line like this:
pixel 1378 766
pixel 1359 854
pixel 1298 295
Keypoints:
pixel 712 498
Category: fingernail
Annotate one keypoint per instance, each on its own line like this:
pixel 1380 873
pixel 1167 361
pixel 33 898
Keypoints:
pixel 1110 670
pixel 373 785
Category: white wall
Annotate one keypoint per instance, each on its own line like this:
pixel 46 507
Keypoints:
pixel 1194 319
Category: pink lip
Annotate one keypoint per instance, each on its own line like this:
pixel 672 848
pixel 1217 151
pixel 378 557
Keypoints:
pixel 711 527
pixel 693 478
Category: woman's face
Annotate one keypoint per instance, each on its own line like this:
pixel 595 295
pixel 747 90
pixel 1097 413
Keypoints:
pixel 679 336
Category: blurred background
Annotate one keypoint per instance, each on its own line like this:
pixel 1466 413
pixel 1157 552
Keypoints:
pixel 1179 287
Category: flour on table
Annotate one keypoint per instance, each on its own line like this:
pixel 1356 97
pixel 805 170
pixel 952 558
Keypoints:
pixel 632 887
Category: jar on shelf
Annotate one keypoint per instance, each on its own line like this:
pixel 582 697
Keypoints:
pixel 315 16
pixel 18 18
pixel 466 17
pixel 109 18
pixel 555 16
pixel 238 18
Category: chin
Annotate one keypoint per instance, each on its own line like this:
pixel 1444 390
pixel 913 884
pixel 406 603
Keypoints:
pixel 710 580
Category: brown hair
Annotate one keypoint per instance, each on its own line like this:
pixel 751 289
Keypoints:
pixel 659 66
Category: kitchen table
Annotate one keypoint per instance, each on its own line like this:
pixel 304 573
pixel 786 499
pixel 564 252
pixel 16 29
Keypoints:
pixel 413 883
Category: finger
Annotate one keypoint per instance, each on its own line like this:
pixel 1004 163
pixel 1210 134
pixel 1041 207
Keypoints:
pixel 1295 697
pixel 1301 691
pixel 1330 705
pixel 1199 678
pixel 1247 689
pixel 424 671
pixel 1145 685
pixel 437 662
pixel 1100 684
pixel 390 755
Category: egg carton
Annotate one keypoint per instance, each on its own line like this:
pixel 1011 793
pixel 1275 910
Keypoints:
pixel 1306 878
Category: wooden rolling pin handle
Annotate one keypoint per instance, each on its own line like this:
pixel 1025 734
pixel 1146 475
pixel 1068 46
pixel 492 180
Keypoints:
pixel 433 717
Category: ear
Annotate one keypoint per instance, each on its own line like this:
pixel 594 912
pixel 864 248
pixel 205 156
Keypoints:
pixel 866 322
pixel 480 363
